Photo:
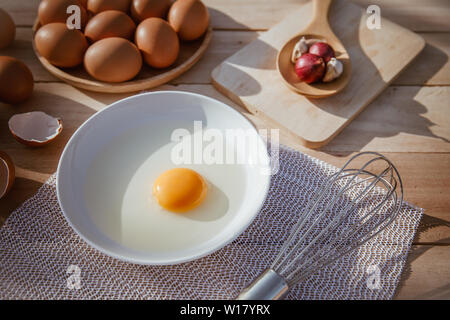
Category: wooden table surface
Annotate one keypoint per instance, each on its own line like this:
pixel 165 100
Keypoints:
pixel 409 122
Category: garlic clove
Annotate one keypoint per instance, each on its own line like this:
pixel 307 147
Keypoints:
pixel 7 174
pixel 300 48
pixel 334 70
pixel 34 128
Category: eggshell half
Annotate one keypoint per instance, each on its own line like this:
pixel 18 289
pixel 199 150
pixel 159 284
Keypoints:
pixel 7 174
pixel 35 128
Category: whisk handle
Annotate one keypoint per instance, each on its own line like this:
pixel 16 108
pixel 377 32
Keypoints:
pixel 268 286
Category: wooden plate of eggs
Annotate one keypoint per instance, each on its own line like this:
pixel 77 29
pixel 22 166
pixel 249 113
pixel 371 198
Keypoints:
pixel 120 45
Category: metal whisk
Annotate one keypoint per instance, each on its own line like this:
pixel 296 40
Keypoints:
pixel 351 207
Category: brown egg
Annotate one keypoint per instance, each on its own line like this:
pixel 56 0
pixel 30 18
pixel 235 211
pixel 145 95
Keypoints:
pixel 158 42
pixel 113 60
pixel 61 46
pixel 50 11
pixel 16 80
pixel 97 6
pixel 7 29
pixel 189 18
pixel 111 23
pixel 143 9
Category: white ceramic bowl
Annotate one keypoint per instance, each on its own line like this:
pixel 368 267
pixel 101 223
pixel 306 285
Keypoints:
pixel 170 108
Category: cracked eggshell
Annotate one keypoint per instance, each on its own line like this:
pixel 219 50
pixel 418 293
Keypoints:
pixel 35 128
pixel 7 173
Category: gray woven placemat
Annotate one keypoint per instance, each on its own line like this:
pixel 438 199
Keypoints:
pixel 40 254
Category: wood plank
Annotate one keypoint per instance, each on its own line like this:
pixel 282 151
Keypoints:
pixel 223 44
pixel 250 14
pixel 22 12
pixel 417 15
pixel 431 67
pixel 22 50
pixel 426 182
pixel 401 119
pixel 426 274
pixel 426 175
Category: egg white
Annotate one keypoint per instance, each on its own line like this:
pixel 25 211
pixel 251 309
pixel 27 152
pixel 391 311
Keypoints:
pixel 119 200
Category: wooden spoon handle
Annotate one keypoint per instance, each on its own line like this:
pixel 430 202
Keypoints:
pixel 320 15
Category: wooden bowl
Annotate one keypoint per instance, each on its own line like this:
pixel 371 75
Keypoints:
pixel 318 28
pixel 190 53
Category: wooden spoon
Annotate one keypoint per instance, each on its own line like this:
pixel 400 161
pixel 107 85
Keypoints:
pixel 319 28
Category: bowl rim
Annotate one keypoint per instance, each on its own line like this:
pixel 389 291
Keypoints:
pixel 160 261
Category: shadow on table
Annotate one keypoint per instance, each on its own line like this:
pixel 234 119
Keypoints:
pixel 430 222
pixel 415 252
pixel 389 127
pixel 40 162
pixel 441 293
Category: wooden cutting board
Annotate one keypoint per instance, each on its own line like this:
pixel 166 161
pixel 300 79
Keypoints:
pixel 250 78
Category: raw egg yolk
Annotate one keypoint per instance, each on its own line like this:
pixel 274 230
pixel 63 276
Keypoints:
pixel 179 189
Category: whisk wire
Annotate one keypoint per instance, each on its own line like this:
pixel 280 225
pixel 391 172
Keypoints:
pixel 297 261
pixel 333 224
pixel 298 228
pixel 311 205
pixel 315 261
